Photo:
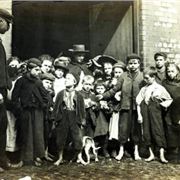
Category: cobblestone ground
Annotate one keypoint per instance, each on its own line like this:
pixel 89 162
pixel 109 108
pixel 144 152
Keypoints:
pixel 104 169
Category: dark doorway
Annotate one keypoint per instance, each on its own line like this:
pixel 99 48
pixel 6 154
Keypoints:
pixel 52 27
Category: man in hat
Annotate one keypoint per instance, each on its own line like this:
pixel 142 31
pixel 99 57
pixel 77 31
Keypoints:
pixel 78 63
pixel 5 20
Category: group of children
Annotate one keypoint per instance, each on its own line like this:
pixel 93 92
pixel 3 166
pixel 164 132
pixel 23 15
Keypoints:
pixel 115 105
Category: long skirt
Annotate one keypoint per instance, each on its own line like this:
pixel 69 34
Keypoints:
pixel 31 137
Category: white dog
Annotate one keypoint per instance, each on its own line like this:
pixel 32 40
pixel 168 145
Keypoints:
pixel 87 144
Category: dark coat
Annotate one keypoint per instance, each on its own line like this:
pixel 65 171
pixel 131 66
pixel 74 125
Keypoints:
pixel 173 114
pixel 59 107
pixel 29 92
pixel 4 78
pixel 129 87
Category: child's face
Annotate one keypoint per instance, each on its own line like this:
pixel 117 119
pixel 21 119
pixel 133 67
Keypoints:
pixel 133 65
pixel 172 71
pixel 160 62
pixel 14 63
pixel 35 71
pixel 59 73
pixel 70 80
pixel 46 66
pixel 100 89
pixel 148 79
pixel 87 85
pixel 108 68
pixel 79 57
pixel 117 72
pixel 47 84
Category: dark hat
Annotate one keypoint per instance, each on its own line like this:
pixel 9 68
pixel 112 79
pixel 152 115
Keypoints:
pixel 33 62
pixel 160 54
pixel 120 64
pixel 76 76
pixel 60 65
pixel 78 48
pixel 133 56
pixel 6 15
pixel 47 76
pixel 105 58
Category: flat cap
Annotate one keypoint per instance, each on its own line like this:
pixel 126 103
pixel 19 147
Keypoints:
pixel 6 15
pixel 133 56
pixel 33 62
pixel 47 76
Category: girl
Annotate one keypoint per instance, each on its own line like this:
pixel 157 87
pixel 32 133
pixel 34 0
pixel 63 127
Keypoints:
pixel 172 119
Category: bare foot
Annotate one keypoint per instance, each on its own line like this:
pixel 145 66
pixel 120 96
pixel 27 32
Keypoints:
pixel 58 162
pixel 150 158
pixel 137 157
pixel 163 160
pixel 119 156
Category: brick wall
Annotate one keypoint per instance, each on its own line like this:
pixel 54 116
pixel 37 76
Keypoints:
pixel 6 38
pixel 159 29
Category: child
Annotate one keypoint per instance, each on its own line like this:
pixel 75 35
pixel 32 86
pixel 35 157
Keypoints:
pixel 90 103
pixel 69 114
pixel 160 63
pixel 172 84
pixel 102 119
pixel 47 80
pixel 118 69
pixel 46 63
pixel 30 98
pixel 59 82
pixel 150 101
pixel 129 84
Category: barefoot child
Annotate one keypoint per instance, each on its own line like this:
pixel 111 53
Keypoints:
pixel 69 114
pixel 150 101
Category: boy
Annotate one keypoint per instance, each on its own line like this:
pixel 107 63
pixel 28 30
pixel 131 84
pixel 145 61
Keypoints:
pixel 47 80
pixel 129 84
pixel 160 63
pixel 150 101
pixel 46 61
pixel 90 102
pixel 69 114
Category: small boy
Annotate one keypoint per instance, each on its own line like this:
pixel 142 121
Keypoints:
pixel 47 80
pixel 59 82
pixel 69 114
pixel 46 61
pixel 90 103
pixel 150 101
pixel 129 84
pixel 102 119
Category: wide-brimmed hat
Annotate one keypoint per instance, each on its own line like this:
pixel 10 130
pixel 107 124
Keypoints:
pixel 60 65
pixel 78 48
pixel 106 59
pixel 6 15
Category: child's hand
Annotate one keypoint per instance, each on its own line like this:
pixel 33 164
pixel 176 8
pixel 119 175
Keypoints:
pixel 99 96
pixel 118 96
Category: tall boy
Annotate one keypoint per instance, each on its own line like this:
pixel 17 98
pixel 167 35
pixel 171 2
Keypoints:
pixel 150 101
pixel 129 85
